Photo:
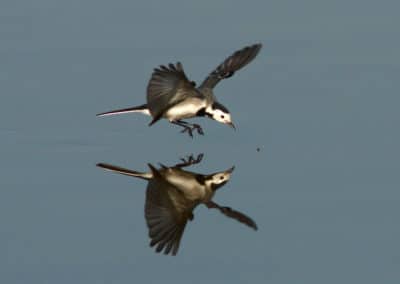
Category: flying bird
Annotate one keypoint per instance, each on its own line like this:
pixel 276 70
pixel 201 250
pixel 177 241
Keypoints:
pixel 172 195
pixel 171 95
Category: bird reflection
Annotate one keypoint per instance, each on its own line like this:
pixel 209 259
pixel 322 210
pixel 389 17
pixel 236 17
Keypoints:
pixel 172 195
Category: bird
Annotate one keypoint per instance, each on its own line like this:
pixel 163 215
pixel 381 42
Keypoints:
pixel 172 96
pixel 171 196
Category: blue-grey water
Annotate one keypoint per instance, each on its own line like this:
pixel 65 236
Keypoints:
pixel 321 102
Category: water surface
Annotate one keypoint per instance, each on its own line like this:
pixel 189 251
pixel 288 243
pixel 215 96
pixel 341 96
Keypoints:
pixel 320 102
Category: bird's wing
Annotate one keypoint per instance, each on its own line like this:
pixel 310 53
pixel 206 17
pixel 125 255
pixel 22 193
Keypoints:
pixel 231 213
pixel 233 63
pixel 165 220
pixel 168 86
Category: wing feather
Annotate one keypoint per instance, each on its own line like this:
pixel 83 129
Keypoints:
pixel 231 213
pixel 165 220
pixel 226 69
pixel 168 86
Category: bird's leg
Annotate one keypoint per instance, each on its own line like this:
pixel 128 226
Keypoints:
pixel 198 128
pixel 199 158
pixel 190 160
pixel 188 127
pixel 185 126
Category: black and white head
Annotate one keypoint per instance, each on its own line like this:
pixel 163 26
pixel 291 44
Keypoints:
pixel 221 114
pixel 219 179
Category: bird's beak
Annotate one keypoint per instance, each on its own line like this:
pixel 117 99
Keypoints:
pixel 230 170
pixel 232 125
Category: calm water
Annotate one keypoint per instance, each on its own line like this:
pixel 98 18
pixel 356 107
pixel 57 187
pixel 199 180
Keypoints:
pixel 321 101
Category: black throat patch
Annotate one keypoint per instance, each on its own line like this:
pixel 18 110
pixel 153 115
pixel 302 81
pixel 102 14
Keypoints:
pixel 202 112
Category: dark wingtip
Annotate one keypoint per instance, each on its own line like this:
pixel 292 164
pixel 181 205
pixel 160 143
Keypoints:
pixel 257 46
pixel 155 119
pixel 152 168
pixel 253 225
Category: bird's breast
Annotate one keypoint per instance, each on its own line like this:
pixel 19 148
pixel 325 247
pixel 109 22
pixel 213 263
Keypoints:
pixel 188 185
pixel 186 109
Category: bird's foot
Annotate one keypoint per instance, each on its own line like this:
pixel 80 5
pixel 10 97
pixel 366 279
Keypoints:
pixel 198 128
pixel 192 127
pixel 190 160
pixel 187 129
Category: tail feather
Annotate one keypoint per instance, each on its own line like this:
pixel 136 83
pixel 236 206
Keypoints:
pixel 142 109
pixel 124 171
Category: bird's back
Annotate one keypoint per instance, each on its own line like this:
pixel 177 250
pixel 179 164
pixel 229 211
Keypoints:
pixel 168 86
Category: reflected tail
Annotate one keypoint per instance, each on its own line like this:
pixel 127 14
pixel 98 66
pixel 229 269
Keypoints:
pixel 124 171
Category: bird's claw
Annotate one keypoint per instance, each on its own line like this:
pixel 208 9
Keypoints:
pixel 188 130
pixel 190 160
pixel 199 158
pixel 191 128
pixel 198 128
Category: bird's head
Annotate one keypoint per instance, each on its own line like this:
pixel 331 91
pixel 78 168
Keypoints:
pixel 221 114
pixel 219 179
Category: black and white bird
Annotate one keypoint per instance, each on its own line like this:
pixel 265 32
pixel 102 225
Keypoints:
pixel 171 95
pixel 172 195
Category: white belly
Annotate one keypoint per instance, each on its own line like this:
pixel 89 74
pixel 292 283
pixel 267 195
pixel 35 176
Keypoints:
pixel 186 109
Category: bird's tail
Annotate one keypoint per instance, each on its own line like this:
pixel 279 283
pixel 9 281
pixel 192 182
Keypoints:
pixel 142 108
pixel 124 171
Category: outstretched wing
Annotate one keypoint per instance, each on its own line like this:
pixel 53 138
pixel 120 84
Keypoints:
pixel 233 63
pixel 168 86
pixel 231 213
pixel 165 220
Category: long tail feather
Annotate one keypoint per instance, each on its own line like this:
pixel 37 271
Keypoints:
pixel 124 171
pixel 142 109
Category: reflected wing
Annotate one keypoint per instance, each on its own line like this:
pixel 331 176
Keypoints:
pixel 233 63
pixel 231 213
pixel 165 220
pixel 168 86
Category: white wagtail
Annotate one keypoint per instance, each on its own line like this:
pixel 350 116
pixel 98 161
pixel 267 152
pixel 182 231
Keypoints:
pixel 172 195
pixel 171 95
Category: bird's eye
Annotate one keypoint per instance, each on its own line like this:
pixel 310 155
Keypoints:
pixel 222 116
pixel 221 178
